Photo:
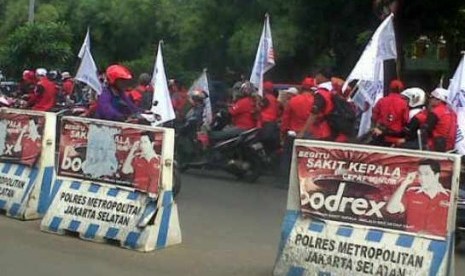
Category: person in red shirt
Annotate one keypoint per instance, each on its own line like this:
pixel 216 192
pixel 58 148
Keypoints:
pixel 417 118
pixel 142 95
pixel 68 84
pixel 144 164
pixel 45 92
pixel 425 206
pixel 269 134
pixel 390 116
pixel 243 114
pixel 295 115
pixel 441 124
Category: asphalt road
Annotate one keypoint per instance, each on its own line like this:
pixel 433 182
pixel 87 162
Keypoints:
pixel 228 228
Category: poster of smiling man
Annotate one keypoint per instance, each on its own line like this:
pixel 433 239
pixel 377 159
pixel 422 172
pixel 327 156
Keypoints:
pixel 21 136
pixel 388 189
pixel 114 153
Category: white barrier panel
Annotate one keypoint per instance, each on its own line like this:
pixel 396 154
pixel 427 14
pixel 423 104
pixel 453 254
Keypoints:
pixel 27 141
pixel 138 210
pixel 361 210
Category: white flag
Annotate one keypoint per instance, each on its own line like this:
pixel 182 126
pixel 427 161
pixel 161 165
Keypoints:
pixel 369 69
pixel 85 44
pixel 264 59
pixel 202 84
pixel 161 94
pixel 457 101
pixel 88 73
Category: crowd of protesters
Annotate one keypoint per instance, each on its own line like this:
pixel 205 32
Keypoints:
pixel 406 117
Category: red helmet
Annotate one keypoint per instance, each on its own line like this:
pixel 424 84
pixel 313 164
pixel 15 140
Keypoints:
pixel 308 83
pixel 268 86
pixel 396 86
pixel 117 71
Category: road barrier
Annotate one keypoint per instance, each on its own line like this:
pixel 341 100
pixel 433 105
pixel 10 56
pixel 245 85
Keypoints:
pixel 27 141
pixel 115 184
pixel 362 210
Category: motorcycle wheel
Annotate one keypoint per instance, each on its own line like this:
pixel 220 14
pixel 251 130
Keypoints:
pixel 253 173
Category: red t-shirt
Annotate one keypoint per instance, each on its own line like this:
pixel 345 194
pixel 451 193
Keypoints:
pixel 297 112
pixel 270 112
pixel 425 214
pixel 391 112
pixel 68 86
pixel 30 151
pixel 146 174
pixel 47 99
pixel 242 113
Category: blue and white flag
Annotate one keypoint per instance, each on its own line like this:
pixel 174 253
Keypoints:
pixel 85 44
pixel 457 101
pixel 88 73
pixel 369 70
pixel 202 84
pixel 264 59
pixel 161 94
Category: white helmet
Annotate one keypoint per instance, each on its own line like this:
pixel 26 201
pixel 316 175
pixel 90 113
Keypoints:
pixel 41 72
pixel 416 96
pixel 440 94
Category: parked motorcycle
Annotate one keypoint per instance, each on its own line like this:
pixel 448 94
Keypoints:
pixel 242 155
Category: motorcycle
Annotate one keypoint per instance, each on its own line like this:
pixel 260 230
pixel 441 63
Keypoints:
pixel 242 155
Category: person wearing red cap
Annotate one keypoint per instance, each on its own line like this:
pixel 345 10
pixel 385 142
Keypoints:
pixel 390 116
pixel 441 124
pixel 269 134
pixel 113 104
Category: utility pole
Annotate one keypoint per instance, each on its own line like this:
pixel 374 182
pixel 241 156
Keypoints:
pixel 31 11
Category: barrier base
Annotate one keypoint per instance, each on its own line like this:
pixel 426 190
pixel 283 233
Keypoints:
pixel 20 190
pixel 313 247
pixel 108 214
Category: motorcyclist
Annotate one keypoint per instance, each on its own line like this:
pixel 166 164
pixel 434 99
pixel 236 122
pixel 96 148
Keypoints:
pixel 45 93
pixel 243 114
pixel 417 117
pixel 113 104
pixel 269 133
pixel 142 95
pixel 441 124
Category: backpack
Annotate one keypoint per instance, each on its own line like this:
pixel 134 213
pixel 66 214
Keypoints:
pixel 343 117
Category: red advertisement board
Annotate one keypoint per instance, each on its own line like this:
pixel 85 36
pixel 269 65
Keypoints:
pixel 21 135
pixel 374 188
pixel 114 153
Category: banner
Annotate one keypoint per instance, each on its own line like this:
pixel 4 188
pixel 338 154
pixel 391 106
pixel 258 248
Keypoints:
pixel 114 153
pixel 21 136
pixel 386 190
pixel 85 44
pixel 457 101
pixel 87 72
pixel 264 59
pixel 369 68
pixel 164 106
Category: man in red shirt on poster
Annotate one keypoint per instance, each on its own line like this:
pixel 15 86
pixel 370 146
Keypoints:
pixel 29 144
pixel 424 206
pixel 144 163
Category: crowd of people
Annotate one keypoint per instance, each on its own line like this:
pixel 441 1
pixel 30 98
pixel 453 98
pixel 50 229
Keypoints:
pixel 406 118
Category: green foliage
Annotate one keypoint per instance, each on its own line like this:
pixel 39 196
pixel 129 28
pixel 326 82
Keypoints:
pixel 215 34
pixel 36 45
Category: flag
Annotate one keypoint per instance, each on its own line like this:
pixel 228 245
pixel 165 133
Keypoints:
pixel 161 95
pixel 369 70
pixel 264 59
pixel 202 84
pixel 457 101
pixel 88 73
pixel 85 44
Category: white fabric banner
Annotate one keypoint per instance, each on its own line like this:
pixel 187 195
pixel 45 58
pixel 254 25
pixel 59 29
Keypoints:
pixel 161 94
pixel 456 99
pixel 85 44
pixel 87 72
pixel 369 69
pixel 264 59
